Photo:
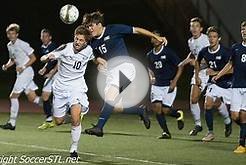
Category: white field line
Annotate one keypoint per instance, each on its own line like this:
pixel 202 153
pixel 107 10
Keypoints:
pixel 85 153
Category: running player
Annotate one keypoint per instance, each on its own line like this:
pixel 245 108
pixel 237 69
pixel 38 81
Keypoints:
pixel 164 73
pixel 218 94
pixel 238 101
pixel 49 72
pixel 20 54
pixel 69 88
pixel 108 42
pixel 196 43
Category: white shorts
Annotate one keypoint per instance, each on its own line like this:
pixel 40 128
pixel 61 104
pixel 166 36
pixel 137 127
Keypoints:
pixel 214 91
pixel 159 93
pixel 62 102
pixel 24 82
pixel 204 79
pixel 47 87
pixel 238 100
pixel 127 69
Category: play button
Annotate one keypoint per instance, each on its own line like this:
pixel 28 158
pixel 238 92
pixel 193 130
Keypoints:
pixel 128 77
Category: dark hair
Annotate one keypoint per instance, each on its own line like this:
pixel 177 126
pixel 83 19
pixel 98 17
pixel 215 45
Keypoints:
pixel 95 17
pixel 197 19
pixel 46 31
pixel 243 24
pixel 13 27
pixel 82 30
pixel 214 29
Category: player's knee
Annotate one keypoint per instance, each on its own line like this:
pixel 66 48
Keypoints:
pixel 59 121
pixel 166 110
pixel 76 122
pixel 194 100
pixel 208 105
pixel 235 116
pixel 45 96
pixel 157 108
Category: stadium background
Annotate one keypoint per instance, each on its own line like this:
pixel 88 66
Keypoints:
pixel 171 17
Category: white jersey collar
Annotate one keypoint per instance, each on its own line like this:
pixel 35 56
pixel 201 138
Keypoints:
pixel 101 34
pixel 156 53
pixel 213 52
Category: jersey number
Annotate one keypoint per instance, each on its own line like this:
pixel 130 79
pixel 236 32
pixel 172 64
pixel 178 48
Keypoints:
pixel 77 65
pixel 212 64
pixel 158 64
pixel 243 58
pixel 103 49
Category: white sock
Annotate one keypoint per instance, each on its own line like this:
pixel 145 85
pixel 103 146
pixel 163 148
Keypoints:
pixel 36 100
pixel 14 111
pixel 75 132
pixel 224 113
pixel 195 110
pixel 49 119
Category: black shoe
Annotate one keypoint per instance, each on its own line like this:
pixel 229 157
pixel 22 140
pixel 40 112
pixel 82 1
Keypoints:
pixel 145 118
pixel 8 126
pixel 180 120
pixel 74 154
pixel 228 129
pixel 195 131
pixel 94 131
pixel 165 135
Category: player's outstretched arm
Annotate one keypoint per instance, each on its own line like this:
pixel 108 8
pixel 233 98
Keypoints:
pixel 147 33
pixel 226 70
pixel 8 64
pixel 197 69
pixel 47 57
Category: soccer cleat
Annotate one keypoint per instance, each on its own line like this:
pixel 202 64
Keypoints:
pixel 8 126
pixel 94 131
pixel 240 150
pixel 195 131
pixel 46 125
pixel 165 135
pixel 228 129
pixel 208 137
pixel 180 120
pixel 74 154
pixel 145 118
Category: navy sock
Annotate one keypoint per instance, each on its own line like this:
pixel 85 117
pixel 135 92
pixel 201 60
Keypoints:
pixel 134 110
pixel 162 122
pixel 107 110
pixel 242 134
pixel 47 108
pixel 209 119
pixel 174 113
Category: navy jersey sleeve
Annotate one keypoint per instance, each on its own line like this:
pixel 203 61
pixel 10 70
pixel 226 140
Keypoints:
pixel 175 60
pixel 122 29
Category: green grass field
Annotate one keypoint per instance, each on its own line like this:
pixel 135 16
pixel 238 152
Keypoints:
pixel 126 141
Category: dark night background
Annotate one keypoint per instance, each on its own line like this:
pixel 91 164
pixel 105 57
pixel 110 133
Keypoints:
pixel 32 16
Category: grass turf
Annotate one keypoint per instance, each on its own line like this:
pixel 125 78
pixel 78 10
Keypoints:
pixel 126 141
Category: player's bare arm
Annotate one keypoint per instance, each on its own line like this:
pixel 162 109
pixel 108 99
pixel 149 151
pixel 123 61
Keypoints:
pixel 52 72
pixel 29 63
pixel 147 33
pixel 173 83
pixel 151 76
pixel 8 64
pixel 197 69
pixel 226 70
pixel 47 57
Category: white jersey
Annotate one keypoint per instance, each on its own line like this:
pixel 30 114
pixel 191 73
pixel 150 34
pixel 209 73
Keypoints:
pixel 196 45
pixel 71 68
pixel 20 52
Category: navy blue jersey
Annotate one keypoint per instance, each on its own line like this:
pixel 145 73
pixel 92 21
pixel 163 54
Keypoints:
pixel 45 50
pixel 238 59
pixel 111 42
pixel 164 64
pixel 216 61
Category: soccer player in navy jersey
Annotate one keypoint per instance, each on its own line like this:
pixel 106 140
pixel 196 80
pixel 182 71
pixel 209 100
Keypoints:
pixel 108 42
pixel 237 63
pixel 164 69
pixel 48 71
pixel 218 94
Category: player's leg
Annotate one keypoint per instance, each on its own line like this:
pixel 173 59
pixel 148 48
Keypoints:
pixel 208 106
pixel 168 109
pixel 236 105
pixel 76 129
pixel 160 116
pixel 31 94
pixel 14 109
pixel 195 109
pixel 242 137
pixel 106 111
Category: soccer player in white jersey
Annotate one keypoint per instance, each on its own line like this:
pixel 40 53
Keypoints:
pixel 196 43
pixel 20 54
pixel 69 88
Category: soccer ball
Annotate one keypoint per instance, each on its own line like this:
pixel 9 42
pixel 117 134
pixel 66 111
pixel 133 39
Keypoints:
pixel 69 14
